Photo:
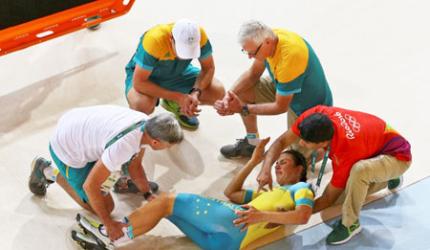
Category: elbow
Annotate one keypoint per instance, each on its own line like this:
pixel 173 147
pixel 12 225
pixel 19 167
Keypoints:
pixel 208 71
pixel 140 86
pixel 278 109
pixel 87 187
pixel 304 217
pixel 227 194
pixel 254 75
pixel 211 71
pixel 232 196
pixel 282 108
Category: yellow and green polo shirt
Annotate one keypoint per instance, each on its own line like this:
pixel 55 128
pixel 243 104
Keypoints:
pixel 295 69
pixel 155 53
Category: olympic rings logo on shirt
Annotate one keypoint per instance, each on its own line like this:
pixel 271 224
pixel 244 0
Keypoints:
pixel 346 123
pixel 353 123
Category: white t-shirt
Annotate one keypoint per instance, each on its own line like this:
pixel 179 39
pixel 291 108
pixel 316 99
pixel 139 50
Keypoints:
pixel 82 134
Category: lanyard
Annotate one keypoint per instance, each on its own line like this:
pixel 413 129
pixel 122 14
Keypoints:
pixel 323 164
pixel 124 132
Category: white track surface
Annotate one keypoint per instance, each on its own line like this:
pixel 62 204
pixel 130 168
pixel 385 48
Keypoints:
pixel 375 55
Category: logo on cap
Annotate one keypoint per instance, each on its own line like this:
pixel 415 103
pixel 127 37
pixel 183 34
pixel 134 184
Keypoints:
pixel 187 39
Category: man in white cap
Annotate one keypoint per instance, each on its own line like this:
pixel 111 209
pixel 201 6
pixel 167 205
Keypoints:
pixel 161 68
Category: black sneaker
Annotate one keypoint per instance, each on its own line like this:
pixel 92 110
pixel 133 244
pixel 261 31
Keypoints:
pixel 241 148
pixel 38 182
pixel 126 185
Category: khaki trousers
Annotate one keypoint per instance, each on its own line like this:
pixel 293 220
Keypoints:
pixel 367 177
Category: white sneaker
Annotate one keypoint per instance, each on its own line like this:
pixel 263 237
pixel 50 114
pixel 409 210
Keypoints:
pixel 93 228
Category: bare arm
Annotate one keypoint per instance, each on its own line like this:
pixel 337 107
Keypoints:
pixel 137 173
pixel 300 215
pixel 280 106
pixel 231 104
pixel 330 195
pixel 235 105
pixel 234 190
pixel 207 72
pixel 92 186
pixel 249 77
pixel 283 141
pixel 143 85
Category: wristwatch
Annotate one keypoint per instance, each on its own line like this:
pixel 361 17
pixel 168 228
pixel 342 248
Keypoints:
pixel 199 91
pixel 245 110
pixel 146 195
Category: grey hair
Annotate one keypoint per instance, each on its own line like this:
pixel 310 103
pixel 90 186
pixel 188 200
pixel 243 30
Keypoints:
pixel 255 31
pixel 164 127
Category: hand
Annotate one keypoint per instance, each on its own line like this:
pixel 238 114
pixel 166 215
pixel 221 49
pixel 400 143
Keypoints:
pixel 151 197
pixel 264 178
pixel 232 102
pixel 221 106
pixel 227 98
pixel 258 154
pixel 195 104
pixel 188 105
pixel 248 217
pixel 114 229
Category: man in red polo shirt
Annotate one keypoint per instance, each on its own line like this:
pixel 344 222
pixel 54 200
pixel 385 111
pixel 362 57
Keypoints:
pixel 366 154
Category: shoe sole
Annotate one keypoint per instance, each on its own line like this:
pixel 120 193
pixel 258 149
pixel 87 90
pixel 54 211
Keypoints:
pixel 173 111
pixel 101 243
pixel 356 231
pixel 152 185
pixel 233 157
pixel 86 241
pixel 239 156
pixel 32 182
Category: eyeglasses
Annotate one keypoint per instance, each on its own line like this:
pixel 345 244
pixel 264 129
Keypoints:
pixel 252 54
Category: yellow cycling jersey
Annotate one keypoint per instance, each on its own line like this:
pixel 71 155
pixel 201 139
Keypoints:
pixel 282 198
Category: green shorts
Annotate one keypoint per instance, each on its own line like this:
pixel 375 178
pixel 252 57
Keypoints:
pixel 182 84
pixel 75 177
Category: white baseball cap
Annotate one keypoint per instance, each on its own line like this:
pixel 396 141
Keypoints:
pixel 187 39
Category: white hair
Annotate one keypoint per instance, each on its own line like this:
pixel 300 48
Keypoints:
pixel 255 31
pixel 164 127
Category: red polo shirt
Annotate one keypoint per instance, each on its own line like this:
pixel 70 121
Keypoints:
pixel 357 136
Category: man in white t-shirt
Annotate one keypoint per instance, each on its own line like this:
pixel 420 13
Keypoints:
pixel 90 146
